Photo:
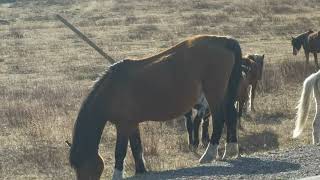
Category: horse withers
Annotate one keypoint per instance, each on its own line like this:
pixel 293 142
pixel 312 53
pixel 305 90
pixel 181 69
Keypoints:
pixel 310 41
pixel 158 88
pixel 252 66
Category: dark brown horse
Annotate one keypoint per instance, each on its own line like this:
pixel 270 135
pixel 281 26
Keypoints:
pixel 310 41
pixel 250 72
pixel 158 88
pixel 256 76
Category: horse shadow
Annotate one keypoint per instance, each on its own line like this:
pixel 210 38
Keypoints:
pixel 241 166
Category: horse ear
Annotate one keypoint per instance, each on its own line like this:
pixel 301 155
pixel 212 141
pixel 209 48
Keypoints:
pixel 68 143
pixel 262 56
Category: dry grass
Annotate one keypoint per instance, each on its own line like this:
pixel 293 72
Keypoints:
pixel 46 71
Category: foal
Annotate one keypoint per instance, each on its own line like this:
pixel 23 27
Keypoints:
pixel 311 83
pixel 310 41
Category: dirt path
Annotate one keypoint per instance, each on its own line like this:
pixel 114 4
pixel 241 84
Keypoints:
pixel 285 164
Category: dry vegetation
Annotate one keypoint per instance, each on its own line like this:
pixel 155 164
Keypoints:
pixel 46 71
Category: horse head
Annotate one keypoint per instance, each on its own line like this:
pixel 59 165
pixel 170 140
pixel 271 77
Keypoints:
pixel 250 68
pixel 88 169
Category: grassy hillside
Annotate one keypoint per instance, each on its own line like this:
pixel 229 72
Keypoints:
pixel 46 71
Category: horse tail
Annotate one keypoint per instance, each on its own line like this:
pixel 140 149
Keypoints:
pixel 304 103
pixel 235 77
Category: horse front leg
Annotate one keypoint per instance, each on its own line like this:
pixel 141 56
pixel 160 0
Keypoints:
pixel 205 132
pixel 241 104
pixel 120 153
pixel 137 151
pixel 189 125
pixel 316 60
pixel 253 94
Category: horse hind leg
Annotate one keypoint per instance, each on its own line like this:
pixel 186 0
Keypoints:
pixel 137 151
pixel 212 149
pixel 189 125
pixel 231 147
pixel 316 128
pixel 196 125
pixel 316 60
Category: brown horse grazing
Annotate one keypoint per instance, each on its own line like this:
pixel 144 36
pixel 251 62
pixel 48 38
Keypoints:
pixel 158 88
pixel 310 41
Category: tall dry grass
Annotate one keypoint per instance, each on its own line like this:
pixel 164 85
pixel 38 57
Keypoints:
pixel 46 72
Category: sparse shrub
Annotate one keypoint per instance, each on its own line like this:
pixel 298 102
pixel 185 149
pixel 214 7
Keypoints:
pixel 143 31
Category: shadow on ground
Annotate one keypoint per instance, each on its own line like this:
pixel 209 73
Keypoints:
pixel 241 166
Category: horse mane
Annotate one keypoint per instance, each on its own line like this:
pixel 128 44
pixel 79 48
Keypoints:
pixel 75 156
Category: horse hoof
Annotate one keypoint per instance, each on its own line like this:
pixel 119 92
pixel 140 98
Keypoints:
pixel 231 151
pixel 117 175
pixel 210 154
pixel 141 171
pixel 193 147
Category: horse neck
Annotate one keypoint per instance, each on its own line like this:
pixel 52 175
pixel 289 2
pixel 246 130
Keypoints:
pixel 87 132
pixel 90 123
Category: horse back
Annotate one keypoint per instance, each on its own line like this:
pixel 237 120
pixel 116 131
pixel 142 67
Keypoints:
pixel 314 42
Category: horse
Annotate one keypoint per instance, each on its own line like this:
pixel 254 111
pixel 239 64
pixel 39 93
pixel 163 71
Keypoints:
pixel 312 82
pixel 310 41
pixel 158 88
pixel 202 113
pixel 253 80
pixel 250 72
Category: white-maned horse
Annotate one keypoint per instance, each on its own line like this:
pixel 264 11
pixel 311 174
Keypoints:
pixel 311 83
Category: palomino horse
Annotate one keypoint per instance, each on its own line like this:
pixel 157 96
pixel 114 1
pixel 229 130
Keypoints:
pixel 249 73
pixel 310 41
pixel 310 83
pixel 158 88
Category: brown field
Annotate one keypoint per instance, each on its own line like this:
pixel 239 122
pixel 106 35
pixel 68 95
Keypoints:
pixel 46 71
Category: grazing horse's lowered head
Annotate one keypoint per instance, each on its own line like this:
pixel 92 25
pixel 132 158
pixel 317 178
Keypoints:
pixel 90 169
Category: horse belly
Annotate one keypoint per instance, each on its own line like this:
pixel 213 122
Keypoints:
pixel 314 45
pixel 167 104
